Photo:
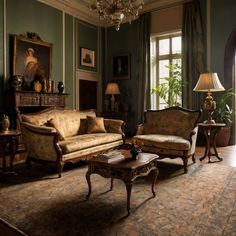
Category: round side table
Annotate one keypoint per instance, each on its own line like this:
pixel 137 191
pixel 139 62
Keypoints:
pixel 210 132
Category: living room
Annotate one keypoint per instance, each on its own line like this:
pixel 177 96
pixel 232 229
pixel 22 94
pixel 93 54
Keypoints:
pixel 70 30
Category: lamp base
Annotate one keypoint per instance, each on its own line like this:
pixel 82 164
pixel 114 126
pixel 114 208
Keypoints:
pixel 209 122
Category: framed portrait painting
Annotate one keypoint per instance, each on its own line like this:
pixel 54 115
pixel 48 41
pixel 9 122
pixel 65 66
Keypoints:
pixel 87 57
pixel 121 66
pixel 32 59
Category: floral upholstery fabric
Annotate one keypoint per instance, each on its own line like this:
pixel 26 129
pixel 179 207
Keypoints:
pixel 170 132
pixel 80 142
pixel 95 125
pixel 170 122
pixel 164 141
pixel 43 143
pixel 113 126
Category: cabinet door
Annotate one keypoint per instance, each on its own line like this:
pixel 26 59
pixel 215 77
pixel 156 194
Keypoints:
pixel 87 95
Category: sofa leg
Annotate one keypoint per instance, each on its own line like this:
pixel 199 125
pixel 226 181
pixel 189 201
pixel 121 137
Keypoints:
pixel 185 160
pixel 60 169
pixel 193 158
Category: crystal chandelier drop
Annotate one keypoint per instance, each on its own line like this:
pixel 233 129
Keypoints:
pixel 116 11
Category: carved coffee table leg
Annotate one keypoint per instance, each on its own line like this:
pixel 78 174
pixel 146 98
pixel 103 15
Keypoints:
pixel 128 188
pixel 154 178
pixel 111 184
pixel 89 185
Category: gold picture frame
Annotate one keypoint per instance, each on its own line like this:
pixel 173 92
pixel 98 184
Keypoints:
pixel 121 66
pixel 87 57
pixel 32 59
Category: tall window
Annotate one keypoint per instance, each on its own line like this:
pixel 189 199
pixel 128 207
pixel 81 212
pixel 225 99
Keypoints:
pixel 165 51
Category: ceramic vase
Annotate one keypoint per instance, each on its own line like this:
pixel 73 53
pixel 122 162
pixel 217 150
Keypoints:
pixel 5 123
pixel 60 87
pixel 134 152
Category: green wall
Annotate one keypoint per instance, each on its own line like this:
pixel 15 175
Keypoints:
pixel 31 16
pixel 89 42
pixel 24 16
pixel 124 41
pixel 223 21
pixel 69 75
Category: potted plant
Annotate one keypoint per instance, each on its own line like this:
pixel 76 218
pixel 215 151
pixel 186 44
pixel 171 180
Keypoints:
pixel 224 114
pixel 170 91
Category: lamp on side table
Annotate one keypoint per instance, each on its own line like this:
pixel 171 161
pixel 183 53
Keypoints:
pixel 112 89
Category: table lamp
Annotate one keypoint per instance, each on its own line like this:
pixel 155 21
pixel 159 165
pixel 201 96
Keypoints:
pixel 112 89
pixel 209 82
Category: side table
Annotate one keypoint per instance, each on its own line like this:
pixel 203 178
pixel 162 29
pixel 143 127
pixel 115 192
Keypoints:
pixel 9 138
pixel 210 132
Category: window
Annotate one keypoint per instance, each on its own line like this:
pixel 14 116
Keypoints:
pixel 165 51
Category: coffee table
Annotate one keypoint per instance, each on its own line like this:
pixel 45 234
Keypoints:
pixel 127 170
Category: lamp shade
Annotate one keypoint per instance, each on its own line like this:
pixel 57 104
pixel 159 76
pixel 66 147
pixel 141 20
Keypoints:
pixel 208 82
pixel 112 88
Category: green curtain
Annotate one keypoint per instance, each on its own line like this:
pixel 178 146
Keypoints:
pixel 143 64
pixel 194 58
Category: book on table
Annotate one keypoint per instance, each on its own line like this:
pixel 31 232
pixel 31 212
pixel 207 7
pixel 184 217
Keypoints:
pixel 110 157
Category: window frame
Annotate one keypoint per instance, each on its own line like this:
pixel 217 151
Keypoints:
pixel 155 100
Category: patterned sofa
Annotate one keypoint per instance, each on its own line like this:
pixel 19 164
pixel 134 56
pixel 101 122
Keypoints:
pixel 62 135
pixel 170 132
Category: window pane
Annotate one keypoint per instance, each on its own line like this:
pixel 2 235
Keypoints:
pixel 163 70
pixel 176 45
pixel 164 47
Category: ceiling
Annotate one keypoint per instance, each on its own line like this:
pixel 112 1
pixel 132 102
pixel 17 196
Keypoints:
pixel 80 8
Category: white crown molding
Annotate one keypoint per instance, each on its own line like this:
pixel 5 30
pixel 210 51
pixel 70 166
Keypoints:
pixel 78 9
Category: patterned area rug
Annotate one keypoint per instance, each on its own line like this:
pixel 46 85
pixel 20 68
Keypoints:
pixel 201 202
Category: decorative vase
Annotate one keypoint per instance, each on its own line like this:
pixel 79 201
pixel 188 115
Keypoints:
pixel 60 87
pixel 5 123
pixel 15 82
pixel 134 152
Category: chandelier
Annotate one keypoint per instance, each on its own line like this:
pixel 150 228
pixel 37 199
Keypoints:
pixel 116 11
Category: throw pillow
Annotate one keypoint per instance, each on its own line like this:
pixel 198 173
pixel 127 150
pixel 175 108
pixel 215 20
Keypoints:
pixel 95 125
pixel 53 123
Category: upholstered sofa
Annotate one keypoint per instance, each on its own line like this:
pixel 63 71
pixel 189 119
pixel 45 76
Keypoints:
pixel 62 135
pixel 170 132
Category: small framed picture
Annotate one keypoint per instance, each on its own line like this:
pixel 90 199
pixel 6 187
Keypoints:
pixel 87 57
pixel 121 66
pixel 32 59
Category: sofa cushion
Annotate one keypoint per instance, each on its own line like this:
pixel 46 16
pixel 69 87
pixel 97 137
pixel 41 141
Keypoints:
pixel 95 125
pixel 81 142
pixel 113 126
pixel 164 141
pixel 54 123
pixel 83 126
pixel 68 122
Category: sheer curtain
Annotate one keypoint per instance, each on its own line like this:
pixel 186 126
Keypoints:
pixel 194 58
pixel 143 64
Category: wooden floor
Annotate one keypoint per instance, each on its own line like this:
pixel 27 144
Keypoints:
pixel 227 153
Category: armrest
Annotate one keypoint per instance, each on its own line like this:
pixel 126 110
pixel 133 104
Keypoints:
pixel 139 129
pixel 39 128
pixel 193 139
pixel 41 142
